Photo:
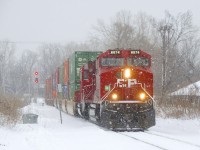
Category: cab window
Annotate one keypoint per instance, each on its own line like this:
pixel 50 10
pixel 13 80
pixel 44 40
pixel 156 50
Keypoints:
pixel 112 61
pixel 141 61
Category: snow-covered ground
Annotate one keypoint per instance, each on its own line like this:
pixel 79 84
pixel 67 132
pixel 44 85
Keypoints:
pixel 192 89
pixel 78 134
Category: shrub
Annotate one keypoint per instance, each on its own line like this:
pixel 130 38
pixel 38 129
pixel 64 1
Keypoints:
pixel 10 112
pixel 185 107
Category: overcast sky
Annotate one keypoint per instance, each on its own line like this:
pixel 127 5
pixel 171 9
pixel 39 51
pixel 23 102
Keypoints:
pixel 71 20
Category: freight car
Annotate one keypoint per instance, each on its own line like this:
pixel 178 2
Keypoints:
pixel 113 88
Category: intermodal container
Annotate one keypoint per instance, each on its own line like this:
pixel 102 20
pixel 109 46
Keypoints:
pixel 76 61
pixel 47 87
pixel 57 76
pixel 60 80
pixel 50 87
pixel 54 84
pixel 66 72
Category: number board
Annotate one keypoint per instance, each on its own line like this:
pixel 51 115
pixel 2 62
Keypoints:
pixel 135 52
pixel 114 52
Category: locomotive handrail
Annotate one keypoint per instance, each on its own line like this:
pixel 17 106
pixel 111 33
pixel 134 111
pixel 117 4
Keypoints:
pixel 146 92
pixel 86 96
pixel 103 98
pixel 90 92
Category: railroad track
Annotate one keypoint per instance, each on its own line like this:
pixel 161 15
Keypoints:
pixel 159 141
pixel 138 136
pixel 143 141
pixel 178 140
pixel 177 143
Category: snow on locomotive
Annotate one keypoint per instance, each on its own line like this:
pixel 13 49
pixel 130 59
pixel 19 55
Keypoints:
pixel 113 89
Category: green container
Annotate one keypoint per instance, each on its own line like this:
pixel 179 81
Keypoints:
pixel 72 89
pixel 76 61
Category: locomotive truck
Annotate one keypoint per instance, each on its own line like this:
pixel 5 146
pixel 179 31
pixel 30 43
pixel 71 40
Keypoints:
pixel 113 88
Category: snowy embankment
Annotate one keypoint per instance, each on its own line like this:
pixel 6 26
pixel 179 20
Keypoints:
pixel 76 133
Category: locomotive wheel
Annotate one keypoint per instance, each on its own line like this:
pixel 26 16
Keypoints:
pixel 76 110
pixel 97 113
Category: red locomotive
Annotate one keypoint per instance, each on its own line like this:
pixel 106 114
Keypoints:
pixel 113 89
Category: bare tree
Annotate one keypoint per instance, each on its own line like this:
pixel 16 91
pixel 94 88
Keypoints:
pixel 22 73
pixel 125 31
pixel 69 48
pixel 6 60
pixel 119 33
pixel 174 33
pixel 50 58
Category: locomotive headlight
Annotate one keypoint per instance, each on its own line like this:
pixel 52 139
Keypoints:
pixel 127 73
pixel 142 96
pixel 114 96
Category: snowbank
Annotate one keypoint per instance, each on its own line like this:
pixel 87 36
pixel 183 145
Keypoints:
pixel 76 133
